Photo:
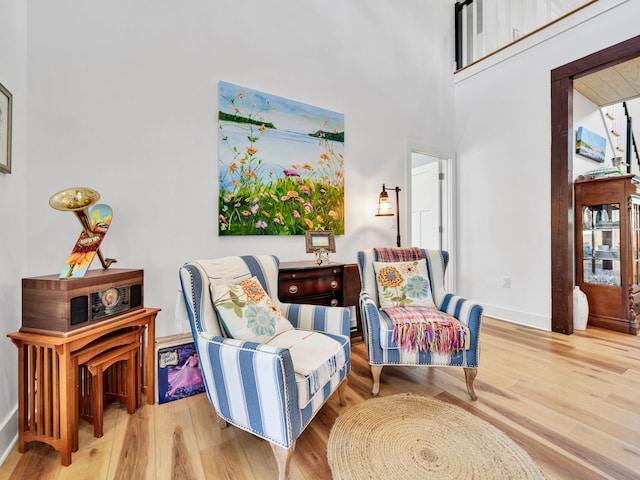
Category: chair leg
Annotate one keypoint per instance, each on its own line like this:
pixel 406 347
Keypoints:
pixel 283 459
pixel 342 392
pixel 376 370
pixel 222 423
pixel 470 376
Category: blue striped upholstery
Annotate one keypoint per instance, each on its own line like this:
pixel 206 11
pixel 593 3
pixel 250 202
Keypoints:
pixel 255 386
pixel 380 348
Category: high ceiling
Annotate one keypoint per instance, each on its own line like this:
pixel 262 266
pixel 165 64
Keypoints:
pixel 620 83
pixel 611 85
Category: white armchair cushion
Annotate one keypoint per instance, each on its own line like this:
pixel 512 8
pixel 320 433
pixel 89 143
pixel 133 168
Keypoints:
pixel 247 312
pixel 316 358
pixel 403 284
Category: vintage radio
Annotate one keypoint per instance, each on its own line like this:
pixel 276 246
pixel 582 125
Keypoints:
pixel 56 306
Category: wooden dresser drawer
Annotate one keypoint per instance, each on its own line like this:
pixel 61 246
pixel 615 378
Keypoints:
pixel 336 285
pixel 308 283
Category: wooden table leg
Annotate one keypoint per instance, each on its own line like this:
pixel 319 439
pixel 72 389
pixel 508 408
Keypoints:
pixel 23 411
pixel 66 406
pixel 97 378
pixel 150 360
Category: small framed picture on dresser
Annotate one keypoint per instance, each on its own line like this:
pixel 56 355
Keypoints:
pixel 317 240
pixel 6 101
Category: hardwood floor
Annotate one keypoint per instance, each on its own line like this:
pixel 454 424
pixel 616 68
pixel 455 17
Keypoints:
pixel 572 402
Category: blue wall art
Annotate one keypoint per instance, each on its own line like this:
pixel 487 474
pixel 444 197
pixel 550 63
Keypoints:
pixel 590 145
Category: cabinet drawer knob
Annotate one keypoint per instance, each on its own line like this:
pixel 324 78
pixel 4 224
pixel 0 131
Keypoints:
pixel 293 289
pixel 334 284
pixel 334 302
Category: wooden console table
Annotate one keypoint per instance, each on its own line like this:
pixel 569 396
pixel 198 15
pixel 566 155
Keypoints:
pixel 46 389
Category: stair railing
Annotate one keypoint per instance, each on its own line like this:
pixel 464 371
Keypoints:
pixel 484 27
pixel 631 140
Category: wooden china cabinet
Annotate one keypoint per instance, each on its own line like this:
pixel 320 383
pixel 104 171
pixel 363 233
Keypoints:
pixel 607 226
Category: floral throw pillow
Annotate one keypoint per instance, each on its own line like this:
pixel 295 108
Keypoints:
pixel 403 284
pixel 246 311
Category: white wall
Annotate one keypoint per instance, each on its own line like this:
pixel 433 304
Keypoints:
pixel 123 99
pixel 13 210
pixel 503 143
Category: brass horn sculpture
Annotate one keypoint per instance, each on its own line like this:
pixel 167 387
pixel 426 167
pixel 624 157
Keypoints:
pixel 78 200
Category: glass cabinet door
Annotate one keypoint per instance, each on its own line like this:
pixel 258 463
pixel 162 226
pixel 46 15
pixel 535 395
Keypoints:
pixel 601 244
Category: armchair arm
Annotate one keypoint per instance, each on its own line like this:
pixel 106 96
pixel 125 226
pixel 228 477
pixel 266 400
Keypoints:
pixel 369 310
pixel 370 321
pixel 267 408
pixel 334 320
pixel 467 311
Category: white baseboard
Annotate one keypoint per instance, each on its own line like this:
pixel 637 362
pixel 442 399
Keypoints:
pixel 521 318
pixel 8 434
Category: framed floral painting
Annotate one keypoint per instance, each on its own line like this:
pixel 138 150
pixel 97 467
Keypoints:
pixel 280 165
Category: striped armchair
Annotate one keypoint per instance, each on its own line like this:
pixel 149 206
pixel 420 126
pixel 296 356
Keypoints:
pixel 416 335
pixel 262 387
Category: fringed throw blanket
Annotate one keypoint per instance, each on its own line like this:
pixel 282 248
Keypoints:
pixel 427 330
pixel 405 254
pixel 306 348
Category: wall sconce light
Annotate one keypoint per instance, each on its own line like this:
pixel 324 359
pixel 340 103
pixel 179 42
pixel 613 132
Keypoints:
pixel 384 209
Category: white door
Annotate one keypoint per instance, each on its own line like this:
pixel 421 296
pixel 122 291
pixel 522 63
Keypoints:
pixel 426 215
pixel 431 198
pixel 425 202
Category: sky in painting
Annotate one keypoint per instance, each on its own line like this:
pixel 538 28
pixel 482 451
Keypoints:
pixel 288 114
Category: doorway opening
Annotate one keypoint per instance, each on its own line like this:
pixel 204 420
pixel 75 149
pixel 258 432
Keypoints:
pixel 562 237
pixel 430 203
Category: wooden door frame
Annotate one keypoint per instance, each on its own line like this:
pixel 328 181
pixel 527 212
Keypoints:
pixel 562 228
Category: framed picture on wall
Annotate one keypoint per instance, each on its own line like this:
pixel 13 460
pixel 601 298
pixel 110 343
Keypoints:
pixel 590 145
pixel 6 101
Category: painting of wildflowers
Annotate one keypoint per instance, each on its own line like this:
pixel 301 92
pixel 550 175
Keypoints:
pixel 281 165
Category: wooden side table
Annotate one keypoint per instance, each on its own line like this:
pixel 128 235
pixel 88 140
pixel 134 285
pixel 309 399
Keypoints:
pixel 46 380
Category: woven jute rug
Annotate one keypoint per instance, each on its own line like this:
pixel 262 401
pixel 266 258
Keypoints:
pixel 410 436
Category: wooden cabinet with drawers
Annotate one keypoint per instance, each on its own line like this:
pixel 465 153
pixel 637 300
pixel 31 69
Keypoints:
pixel 306 282
pixel 334 284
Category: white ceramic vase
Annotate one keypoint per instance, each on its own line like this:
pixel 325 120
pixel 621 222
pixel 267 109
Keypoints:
pixel 580 309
